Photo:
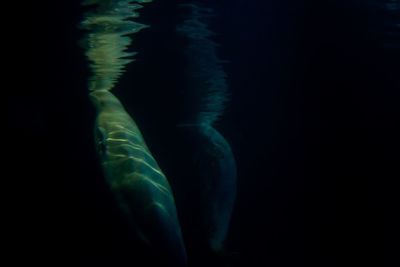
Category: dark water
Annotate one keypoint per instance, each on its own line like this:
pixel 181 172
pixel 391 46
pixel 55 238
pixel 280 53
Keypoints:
pixel 313 123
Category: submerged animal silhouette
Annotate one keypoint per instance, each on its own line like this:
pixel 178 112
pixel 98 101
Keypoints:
pixel 141 190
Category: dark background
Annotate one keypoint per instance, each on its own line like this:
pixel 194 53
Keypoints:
pixel 313 122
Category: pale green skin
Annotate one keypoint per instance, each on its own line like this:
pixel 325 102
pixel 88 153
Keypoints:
pixel 141 189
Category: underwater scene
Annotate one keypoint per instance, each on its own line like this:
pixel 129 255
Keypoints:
pixel 188 133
